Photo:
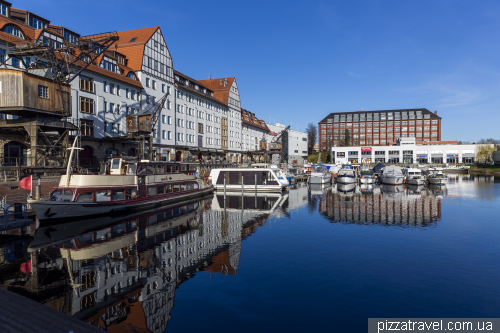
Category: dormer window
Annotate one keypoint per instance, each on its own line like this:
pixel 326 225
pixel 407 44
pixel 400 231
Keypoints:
pixel 14 31
pixel 131 75
pixel 37 24
pixel 3 9
pixel 69 37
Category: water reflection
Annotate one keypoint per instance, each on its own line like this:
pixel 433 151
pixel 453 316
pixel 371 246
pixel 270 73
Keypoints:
pixel 122 277
pixel 383 204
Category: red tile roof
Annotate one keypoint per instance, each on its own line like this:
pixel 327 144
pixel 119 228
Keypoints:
pixel 221 92
pixel 29 32
pixel 134 51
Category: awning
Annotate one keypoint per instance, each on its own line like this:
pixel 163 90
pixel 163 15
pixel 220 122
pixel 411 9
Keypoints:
pixel 220 150
pixel 203 149
pixel 193 148
pixel 212 150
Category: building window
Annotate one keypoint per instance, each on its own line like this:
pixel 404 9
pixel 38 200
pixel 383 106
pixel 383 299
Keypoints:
pixel 14 31
pixel 15 62
pixel 154 84
pixel 86 84
pixel 43 91
pixel 3 9
pixel 87 127
pixel 2 55
pixel 169 135
pixel 147 82
pixel 86 105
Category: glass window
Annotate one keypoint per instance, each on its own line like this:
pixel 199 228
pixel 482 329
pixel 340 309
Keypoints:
pixel 118 195
pixel 67 195
pixel 168 189
pixel 85 197
pixel 131 194
pixel 176 188
pixel 169 169
pixel 160 190
pixel 152 191
pixel 189 186
pixel 160 169
pixel 195 186
pixel 104 195
pixel 183 187
pixel 150 169
pixel 142 170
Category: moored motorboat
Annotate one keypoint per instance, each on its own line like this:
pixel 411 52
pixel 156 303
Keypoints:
pixel 123 186
pixel 435 176
pixel 346 175
pixel 391 175
pixel 248 179
pixel 320 175
pixel 413 176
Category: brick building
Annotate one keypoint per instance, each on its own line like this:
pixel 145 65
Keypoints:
pixel 378 127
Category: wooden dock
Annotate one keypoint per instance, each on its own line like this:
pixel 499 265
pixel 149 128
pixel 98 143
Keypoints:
pixel 20 314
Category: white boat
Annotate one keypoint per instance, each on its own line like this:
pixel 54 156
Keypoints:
pixel 254 179
pixel 435 176
pixel 346 175
pixel 320 175
pixel 367 177
pixel 413 176
pixel 391 175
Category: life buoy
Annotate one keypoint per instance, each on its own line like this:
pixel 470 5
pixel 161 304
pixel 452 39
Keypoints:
pixel 206 179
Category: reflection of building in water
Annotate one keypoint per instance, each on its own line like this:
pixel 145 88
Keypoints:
pixel 390 205
pixel 123 277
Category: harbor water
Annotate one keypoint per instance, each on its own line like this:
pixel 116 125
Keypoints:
pixel 322 258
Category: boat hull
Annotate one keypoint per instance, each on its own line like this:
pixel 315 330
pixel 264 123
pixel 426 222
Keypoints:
pixel 56 212
pixel 392 180
pixel 367 180
pixel 413 181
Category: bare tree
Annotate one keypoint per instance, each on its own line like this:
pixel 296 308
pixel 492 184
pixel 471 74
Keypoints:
pixel 489 140
pixel 312 136
pixel 347 139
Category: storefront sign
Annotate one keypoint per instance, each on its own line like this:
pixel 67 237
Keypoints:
pixel 366 148
pixel 422 155
pixel 451 155
pixel 340 154
pixel 273 133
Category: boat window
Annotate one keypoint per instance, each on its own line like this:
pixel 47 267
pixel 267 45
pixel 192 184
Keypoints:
pixel 101 196
pixel 176 188
pixel 151 191
pixel 195 186
pixel 118 195
pixel 103 235
pixel 176 168
pixel 169 169
pixel 115 163
pixel 85 239
pixel 142 170
pixel 264 178
pixel 161 190
pixel 189 186
pixel 160 169
pixel 131 169
pixel 183 187
pixel 152 220
pixel 132 194
pixel 131 226
pixel 56 195
pixel 151 169
pixel 103 169
pixel 184 167
pixel 67 196
pixel 168 189
pixel 85 197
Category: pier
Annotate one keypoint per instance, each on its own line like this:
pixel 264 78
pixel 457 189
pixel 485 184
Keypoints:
pixel 20 314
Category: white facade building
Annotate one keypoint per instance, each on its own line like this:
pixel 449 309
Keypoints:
pixel 294 143
pixel 406 151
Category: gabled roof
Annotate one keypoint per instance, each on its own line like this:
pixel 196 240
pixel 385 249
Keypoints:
pixel 221 92
pixel 251 118
pixel 131 44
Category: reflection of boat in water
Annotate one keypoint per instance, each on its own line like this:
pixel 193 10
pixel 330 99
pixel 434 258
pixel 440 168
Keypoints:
pixel 437 190
pixel 261 203
pixel 392 192
pixel 367 188
pixel 346 188
pixel 121 230
pixel 415 189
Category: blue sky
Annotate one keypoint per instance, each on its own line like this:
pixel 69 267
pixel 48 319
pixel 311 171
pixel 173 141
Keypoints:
pixel 297 61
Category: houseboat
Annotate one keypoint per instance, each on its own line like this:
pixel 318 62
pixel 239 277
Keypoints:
pixel 254 179
pixel 391 175
pixel 123 186
pixel 413 176
pixel 346 175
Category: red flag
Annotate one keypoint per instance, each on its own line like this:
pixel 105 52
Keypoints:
pixel 26 183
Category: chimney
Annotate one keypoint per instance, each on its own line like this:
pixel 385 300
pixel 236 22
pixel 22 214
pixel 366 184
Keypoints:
pixel 436 113
pixel 221 82
pixel 225 82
